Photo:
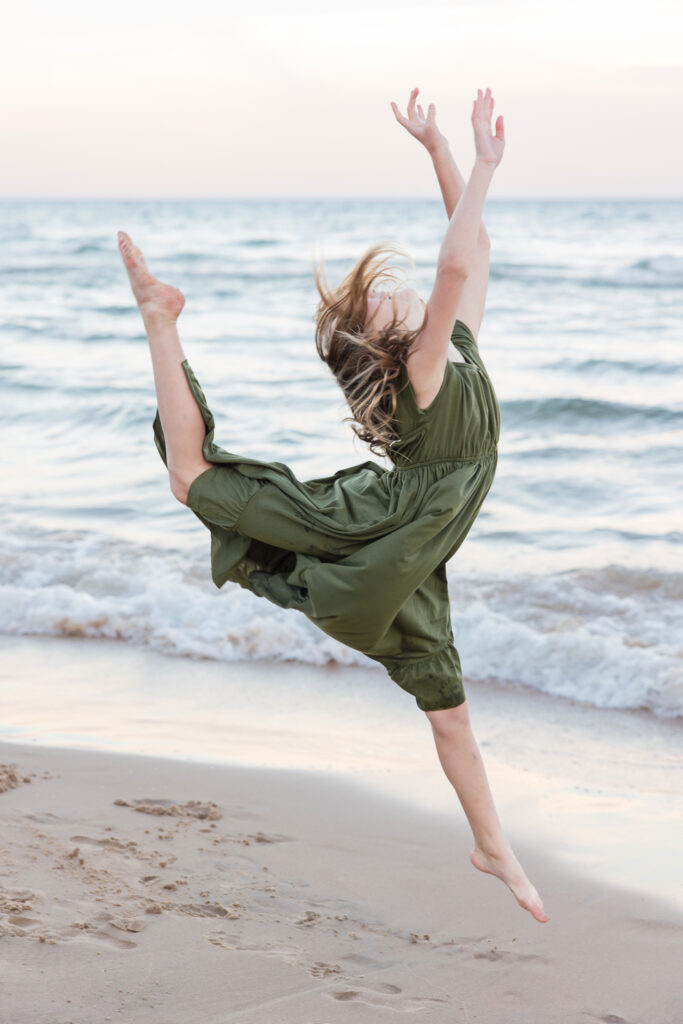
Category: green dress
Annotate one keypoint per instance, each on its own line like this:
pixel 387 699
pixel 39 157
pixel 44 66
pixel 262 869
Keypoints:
pixel 363 553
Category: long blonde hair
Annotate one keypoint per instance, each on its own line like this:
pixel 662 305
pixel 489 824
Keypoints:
pixel 366 362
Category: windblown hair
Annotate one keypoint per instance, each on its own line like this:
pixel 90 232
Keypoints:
pixel 366 362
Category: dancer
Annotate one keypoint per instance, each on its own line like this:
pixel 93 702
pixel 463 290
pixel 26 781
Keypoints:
pixel 363 553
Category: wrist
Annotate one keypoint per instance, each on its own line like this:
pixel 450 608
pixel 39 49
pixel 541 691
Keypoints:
pixel 489 164
pixel 436 149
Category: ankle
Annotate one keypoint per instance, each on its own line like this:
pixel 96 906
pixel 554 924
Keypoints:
pixel 156 316
pixel 493 847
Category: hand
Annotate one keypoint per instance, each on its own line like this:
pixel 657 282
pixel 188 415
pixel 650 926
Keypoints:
pixel 489 147
pixel 423 128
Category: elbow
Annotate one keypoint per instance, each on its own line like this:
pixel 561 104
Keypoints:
pixel 453 265
pixel 459 264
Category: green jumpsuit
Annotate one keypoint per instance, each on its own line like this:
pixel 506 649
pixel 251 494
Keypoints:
pixel 363 553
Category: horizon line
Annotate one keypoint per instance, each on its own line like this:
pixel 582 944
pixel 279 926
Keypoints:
pixel 329 198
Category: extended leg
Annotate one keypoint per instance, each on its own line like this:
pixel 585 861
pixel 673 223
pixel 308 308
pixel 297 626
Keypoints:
pixel 160 306
pixel 461 761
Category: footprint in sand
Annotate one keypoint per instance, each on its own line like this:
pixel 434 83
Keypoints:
pixel 223 939
pixel 128 924
pixel 116 940
pixel 110 843
pixel 15 905
pixel 481 949
pixel 201 810
pixel 323 970
pixel 280 951
pixel 47 818
pixel 207 910
pixel 108 930
pixel 385 995
pixel 360 960
pixel 22 922
pixel 116 845
pixel 16 901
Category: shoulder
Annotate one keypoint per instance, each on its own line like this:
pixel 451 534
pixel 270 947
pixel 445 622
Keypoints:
pixel 426 380
pixel 419 401
pixel 427 373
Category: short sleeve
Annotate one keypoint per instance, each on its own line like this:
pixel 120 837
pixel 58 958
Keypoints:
pixel 465 342
pixel 407 395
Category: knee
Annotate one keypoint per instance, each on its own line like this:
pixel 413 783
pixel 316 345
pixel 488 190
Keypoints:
pixel 363 627
pixel 449 721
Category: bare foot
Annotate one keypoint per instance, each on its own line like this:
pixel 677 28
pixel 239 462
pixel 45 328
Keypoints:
pixel 155 299
pixel 506 867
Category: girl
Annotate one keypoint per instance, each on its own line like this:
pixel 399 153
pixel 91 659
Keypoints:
pixel 363 553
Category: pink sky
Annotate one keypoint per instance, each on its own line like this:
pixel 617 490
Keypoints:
pixel 202 99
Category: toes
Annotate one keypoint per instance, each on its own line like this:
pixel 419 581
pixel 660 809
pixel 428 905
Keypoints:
pixel 127 249
pixel 531 901
pixel 125 242
pixel 132 256
pixel 535 908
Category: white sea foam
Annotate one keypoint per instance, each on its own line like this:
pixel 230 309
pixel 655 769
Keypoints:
pixel 610 637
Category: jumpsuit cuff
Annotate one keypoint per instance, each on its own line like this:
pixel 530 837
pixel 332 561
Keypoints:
pixel 208 447
pixel 435 681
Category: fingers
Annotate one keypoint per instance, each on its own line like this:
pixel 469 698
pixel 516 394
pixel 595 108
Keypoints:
pixel 500 128
pixel 398 115
pixel 420 111
pixel 415 111
pixel 482 108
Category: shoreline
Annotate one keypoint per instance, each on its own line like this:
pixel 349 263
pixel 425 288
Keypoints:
pixel 602 790
pixel 233 893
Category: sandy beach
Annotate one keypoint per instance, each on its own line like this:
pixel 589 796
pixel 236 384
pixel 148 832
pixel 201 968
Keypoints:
pixel 146 887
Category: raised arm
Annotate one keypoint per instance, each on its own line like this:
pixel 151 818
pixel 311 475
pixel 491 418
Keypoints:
pixel 459 245
pixel 426 130
pixel 462 267
pixel 452 184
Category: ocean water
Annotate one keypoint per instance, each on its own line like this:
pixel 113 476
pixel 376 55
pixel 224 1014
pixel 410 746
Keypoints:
pixel 571 581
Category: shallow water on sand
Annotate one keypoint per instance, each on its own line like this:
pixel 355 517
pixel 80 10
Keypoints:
pixel 603 793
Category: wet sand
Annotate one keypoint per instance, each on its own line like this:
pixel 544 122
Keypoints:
pixel 141 888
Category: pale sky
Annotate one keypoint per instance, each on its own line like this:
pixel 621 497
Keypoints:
pixel 202 98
